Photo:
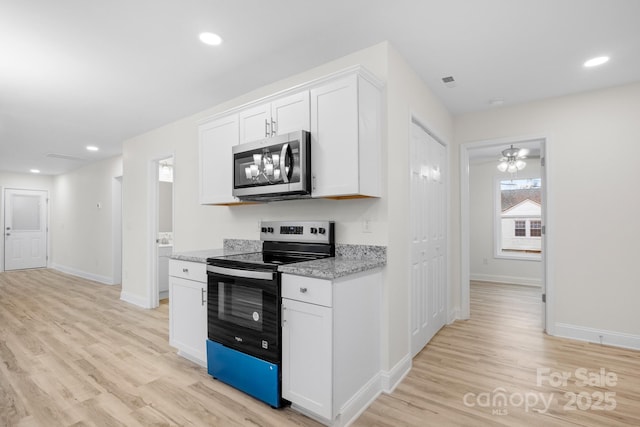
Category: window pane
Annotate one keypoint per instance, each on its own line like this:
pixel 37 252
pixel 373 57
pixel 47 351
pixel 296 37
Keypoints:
pixel 25 212
pixel 520 209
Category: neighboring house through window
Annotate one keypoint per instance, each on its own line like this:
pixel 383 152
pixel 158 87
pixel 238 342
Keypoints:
pixel 519 218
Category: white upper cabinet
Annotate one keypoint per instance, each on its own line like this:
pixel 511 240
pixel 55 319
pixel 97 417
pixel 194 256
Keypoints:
pixel 346 138
pixel 343 114
pixel 282 115
pixel 216 139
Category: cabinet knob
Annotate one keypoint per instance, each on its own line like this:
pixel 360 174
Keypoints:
pixel 303 290
pixel 185 270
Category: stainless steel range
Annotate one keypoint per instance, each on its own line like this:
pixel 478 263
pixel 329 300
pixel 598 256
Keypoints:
pixel 243 311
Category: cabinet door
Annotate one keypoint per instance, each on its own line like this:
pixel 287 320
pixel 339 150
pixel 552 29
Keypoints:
pixel 188 318
pixel 334 138
pixel 216 140
pixel 255 123
pixel 307 378
pixel 291 113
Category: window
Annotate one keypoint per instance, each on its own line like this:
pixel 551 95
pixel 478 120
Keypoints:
pixel 518 219
pixel 536 228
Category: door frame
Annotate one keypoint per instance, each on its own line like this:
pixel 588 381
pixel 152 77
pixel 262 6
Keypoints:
pixel 153 188
pixel 450 314
pixel 548 318
pixel 3 221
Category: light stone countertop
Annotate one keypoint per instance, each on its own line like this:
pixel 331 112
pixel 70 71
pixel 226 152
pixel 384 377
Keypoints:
pixel 332 268
pixel 350 259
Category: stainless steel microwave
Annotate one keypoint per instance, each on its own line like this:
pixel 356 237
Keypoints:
pixel 276 168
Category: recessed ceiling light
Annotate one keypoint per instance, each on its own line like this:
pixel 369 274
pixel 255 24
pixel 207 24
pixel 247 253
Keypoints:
pixel 593 62
pixel 210 39
pixel 34 170
pixel 92 148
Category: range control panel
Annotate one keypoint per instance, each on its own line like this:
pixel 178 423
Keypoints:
pixel 297 231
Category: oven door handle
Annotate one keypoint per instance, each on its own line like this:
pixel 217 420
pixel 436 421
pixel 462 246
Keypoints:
pixel 247 274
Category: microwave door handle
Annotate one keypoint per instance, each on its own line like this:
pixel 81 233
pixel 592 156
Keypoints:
pixel 283 163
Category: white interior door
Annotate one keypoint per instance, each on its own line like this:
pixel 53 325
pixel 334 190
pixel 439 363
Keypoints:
pixel 428 237
pixel 25 229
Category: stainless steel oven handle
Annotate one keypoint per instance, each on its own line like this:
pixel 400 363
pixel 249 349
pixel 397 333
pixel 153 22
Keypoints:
pixel 247 274
pixel 283 163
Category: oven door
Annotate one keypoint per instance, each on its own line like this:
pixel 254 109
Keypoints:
pixel 243 310
pixel 278 166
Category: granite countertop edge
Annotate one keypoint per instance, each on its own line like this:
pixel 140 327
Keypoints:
pixel 332 268
pixel 350 259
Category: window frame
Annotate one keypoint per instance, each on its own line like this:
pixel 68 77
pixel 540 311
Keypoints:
pixel 498 253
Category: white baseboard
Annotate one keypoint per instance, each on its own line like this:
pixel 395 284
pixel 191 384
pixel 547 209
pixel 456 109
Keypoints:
pixel 134 299
pixel 514 280
pixel 598 336
pixel 351 410
pixel 391 379
pixel 453 315
pixel 85 275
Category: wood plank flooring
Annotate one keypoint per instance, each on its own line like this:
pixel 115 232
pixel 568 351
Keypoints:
pixel 73 354
pixel 460 376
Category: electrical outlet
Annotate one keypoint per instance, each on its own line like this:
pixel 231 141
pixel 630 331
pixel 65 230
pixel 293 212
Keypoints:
pixel 485 261
pixel 366 226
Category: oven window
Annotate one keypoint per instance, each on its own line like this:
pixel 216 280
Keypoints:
pixel 240 305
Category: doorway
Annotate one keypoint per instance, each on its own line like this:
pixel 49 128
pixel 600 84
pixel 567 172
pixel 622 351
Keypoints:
pixel 428 195
pixel 511 226
pixel 25 229
pixel 161 205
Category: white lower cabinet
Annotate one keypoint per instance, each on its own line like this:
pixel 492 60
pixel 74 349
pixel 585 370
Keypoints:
pixel 188 309
pixel 331 344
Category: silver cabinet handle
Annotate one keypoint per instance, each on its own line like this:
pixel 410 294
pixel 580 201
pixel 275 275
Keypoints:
pixel 266 128
pixel 185 270
pixel 303 290
pixel 274 128
pixel 203 299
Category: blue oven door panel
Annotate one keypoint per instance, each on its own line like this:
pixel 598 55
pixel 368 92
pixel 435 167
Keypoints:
pixel 254 376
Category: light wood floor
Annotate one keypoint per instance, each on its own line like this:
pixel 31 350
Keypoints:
pixel 499 351
pixel 73 354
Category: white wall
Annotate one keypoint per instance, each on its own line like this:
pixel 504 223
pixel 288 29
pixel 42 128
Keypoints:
pixel 202 227
pixel 482 206
pixel 81 230
pixel 25 182
pixel 592 176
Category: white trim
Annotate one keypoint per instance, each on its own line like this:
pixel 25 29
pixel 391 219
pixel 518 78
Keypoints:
pixel 360 401
pixel 547 217
pixel 153 292
pixel 454 315
pixel 116 228
pixel 598 336
pixel 392 378
pixel 498 253
pixel 512 280
pixel 105 280
pixel 134 299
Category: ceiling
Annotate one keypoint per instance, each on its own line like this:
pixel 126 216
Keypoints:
pixel 75 72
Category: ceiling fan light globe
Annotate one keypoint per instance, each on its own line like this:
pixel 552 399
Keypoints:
pixel 502 166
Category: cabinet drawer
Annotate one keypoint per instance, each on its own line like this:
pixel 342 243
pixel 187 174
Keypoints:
pixel 307 289
pixel 188 270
